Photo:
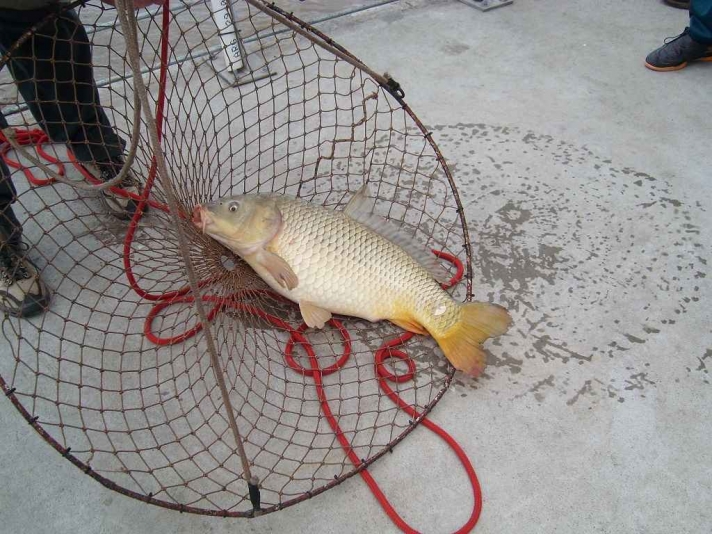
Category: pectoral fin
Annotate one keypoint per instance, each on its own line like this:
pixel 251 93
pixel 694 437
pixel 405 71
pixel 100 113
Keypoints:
pixel 314 316
pixel 278 268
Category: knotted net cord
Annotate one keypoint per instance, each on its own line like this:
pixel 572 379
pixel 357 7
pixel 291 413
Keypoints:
pixel 348 126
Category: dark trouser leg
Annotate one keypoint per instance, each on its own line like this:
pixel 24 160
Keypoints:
pixel 701 21
pixel 53 71
pixel 10 229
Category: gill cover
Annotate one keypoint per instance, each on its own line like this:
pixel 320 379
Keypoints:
pixel 243 223
pixel 246 224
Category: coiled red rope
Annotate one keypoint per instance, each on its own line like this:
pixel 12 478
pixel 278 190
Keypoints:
pixel 34 137
pixel 297 338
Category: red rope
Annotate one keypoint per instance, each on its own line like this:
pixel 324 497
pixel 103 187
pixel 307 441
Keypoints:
pixel 297 336
pixel 34 137
pixel 383 354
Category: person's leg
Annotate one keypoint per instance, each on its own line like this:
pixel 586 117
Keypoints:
pixel 10 228
pixel 701 21
pixel 694 44
pixel 22 293
pixel 54 74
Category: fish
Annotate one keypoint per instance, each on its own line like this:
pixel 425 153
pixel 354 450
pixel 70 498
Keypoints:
pixel 351 262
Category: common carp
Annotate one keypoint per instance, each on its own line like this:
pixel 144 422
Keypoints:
pixel 351 262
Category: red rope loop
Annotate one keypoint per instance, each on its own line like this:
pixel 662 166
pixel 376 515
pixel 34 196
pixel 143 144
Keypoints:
pixel 297 336
pixel 383 355
pixel 37 138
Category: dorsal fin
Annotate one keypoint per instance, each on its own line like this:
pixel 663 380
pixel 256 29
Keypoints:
pixel 361 204
pixel 360 209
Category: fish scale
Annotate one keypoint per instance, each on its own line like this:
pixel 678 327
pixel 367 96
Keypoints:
pixel 345 267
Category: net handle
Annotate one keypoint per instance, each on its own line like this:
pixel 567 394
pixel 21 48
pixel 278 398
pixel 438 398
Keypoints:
pixel 127 20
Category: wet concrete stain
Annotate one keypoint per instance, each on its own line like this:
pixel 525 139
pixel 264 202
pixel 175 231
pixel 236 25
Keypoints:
pixel 633 339
pixel 455 49
pixel 637 381
pixel 537 388
pixel 595 261
pixel 586 389
pixel 551 351
pixel 504 359
pixel 702 368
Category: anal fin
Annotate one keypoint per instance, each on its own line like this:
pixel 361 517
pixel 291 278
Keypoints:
pixel 313 315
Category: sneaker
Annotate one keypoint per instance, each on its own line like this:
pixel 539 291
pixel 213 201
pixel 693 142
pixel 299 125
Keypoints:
pixel 678 3
pixel 675 54
pixel 22 293
pixel 119 206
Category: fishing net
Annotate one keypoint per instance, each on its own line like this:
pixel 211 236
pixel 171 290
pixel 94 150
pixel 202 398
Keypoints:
pixel 117 374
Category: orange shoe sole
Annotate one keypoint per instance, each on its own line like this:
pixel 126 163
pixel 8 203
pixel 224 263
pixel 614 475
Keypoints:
pixel 674 67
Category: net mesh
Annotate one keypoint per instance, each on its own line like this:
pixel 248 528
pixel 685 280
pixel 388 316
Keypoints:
pixel 115 373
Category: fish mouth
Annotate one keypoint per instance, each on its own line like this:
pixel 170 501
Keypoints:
pixel 201 218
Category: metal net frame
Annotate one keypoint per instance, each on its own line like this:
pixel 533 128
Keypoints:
pixel 116 374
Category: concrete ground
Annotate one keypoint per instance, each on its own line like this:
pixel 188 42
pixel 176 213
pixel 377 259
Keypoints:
pixel 585 178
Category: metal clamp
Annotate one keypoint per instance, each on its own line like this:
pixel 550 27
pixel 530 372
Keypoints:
pixel 237 69
pixel 486 5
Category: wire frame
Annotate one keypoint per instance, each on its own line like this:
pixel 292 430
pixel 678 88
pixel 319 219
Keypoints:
pixel 115 373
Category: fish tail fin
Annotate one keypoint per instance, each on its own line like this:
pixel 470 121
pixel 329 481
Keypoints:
pixel 462 342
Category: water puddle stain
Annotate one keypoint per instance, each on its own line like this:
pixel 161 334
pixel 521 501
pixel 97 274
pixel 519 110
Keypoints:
pixel 596 262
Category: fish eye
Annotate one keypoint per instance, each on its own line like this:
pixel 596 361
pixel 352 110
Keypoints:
pixel 233 206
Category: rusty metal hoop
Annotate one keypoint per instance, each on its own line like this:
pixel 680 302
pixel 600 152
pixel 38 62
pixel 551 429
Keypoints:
pixel 94 375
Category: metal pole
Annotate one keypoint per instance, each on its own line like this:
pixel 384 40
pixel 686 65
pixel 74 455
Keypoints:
pixel 227 31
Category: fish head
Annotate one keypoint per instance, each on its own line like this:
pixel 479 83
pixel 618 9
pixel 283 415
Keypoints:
pixel 243 223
